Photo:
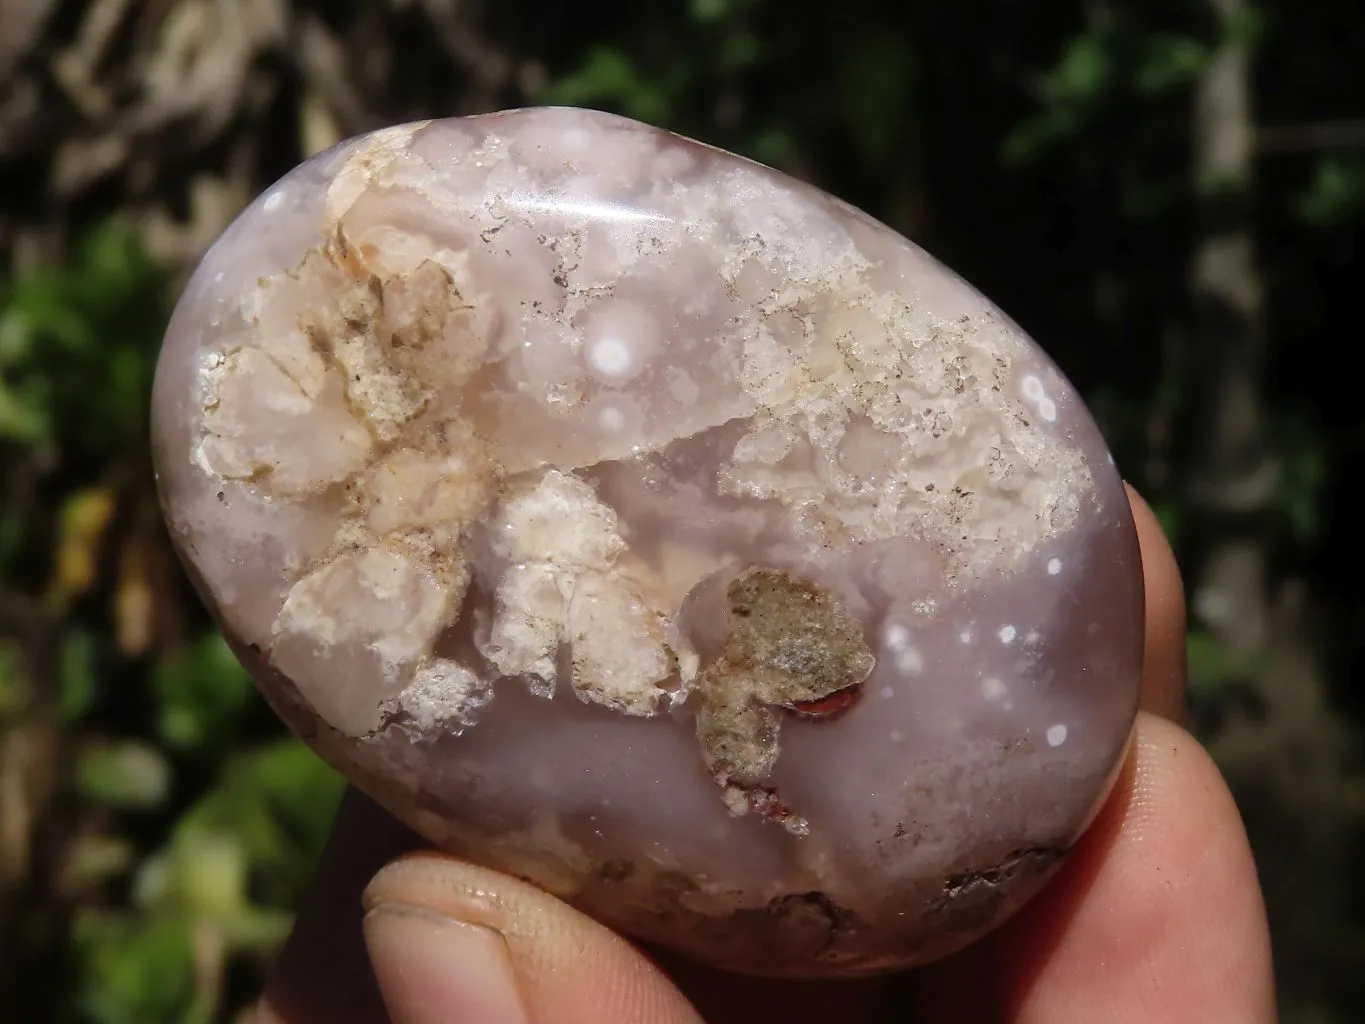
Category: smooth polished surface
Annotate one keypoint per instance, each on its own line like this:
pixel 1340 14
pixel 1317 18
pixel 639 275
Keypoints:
pixel 632 518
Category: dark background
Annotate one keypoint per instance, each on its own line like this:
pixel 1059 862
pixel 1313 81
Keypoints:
pixel 1169 196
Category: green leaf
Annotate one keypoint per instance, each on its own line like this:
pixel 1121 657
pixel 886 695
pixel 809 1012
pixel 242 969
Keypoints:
pixel 1336 193
pixel 115 269
pixel 773 146
pixel 1171 61
pixel 16 335
pixel 76 674
pixel 49 315
pixel 202 873
pixel 93 859
pixel 134 971
pixel 1035 135
pixel 1213 668
pixel 13 531
pixel 710 11
pixel 13 678
pixel 1245 27
pixel 1302 479
pixel 1084 71
pixel 201 693
pixel 1172 519
pixel 78 344
pixel 608 77
pixel 298 789
pixel 875 83
pixel 1070 93
pixel 278 802
pixel 24 413
pixel 124 774
pixel 739 50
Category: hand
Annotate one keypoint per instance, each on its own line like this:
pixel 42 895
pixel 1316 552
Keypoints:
pixel 1156 916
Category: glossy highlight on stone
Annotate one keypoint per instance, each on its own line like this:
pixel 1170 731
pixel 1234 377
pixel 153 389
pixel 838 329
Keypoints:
pixel 635 519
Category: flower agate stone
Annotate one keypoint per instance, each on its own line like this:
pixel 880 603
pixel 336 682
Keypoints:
pixel 634 519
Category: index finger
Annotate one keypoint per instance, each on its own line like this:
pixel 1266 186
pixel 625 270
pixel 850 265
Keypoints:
pixel 1158 914
pixel 1163 665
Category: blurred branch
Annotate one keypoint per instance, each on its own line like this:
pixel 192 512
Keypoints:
pixel 1231 475
pixel 326 66
pixel 1307 138
pixel 457 24
pixel 1286 757
pixel 31 757
pixel 23 21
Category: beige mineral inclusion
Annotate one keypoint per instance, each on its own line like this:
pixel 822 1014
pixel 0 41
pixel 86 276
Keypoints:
pixel 640 521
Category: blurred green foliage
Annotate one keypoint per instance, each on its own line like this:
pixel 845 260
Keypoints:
pixel 77 346
pixel 192 825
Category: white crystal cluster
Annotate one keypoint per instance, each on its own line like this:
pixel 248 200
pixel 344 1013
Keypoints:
pixel 631 516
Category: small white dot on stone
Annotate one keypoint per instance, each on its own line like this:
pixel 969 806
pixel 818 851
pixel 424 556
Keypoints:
pixel 897 636
pixel 1054 566
pixel 1033 388
pixel 965 636
pixel 610 356
pixel 909 661
pixel 888 692
pixel 1056 735
pixel 897 735
pixel 1047 409
pixel 1007 634
pixel 992 688
pixel 273 201
pixel 218 277
pixel 611 419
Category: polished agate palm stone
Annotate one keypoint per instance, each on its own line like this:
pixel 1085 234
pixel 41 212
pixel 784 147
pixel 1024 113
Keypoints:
pixel 636 520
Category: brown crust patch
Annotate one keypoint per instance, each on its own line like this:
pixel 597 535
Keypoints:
pixel 793 638
pixel 972 899
pixel 790 647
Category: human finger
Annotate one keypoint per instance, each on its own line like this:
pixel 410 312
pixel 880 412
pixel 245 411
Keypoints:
pixel 1157 915
pixel 1163 668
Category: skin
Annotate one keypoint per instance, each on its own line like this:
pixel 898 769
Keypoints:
pixel 1157 916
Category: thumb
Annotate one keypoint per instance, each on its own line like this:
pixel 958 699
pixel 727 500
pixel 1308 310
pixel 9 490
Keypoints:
pixel 449 941
pixel 389 936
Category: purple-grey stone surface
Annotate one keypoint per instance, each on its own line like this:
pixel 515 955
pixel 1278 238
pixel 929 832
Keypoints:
pixel 635 519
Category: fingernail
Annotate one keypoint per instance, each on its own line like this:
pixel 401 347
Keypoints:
pixel 434 970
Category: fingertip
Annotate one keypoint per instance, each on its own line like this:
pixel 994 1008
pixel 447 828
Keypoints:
pixel 1163 669
pixel 389 934
pixel 432 969
pixel 323 973
pixel 568 969
pixel 1157 915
